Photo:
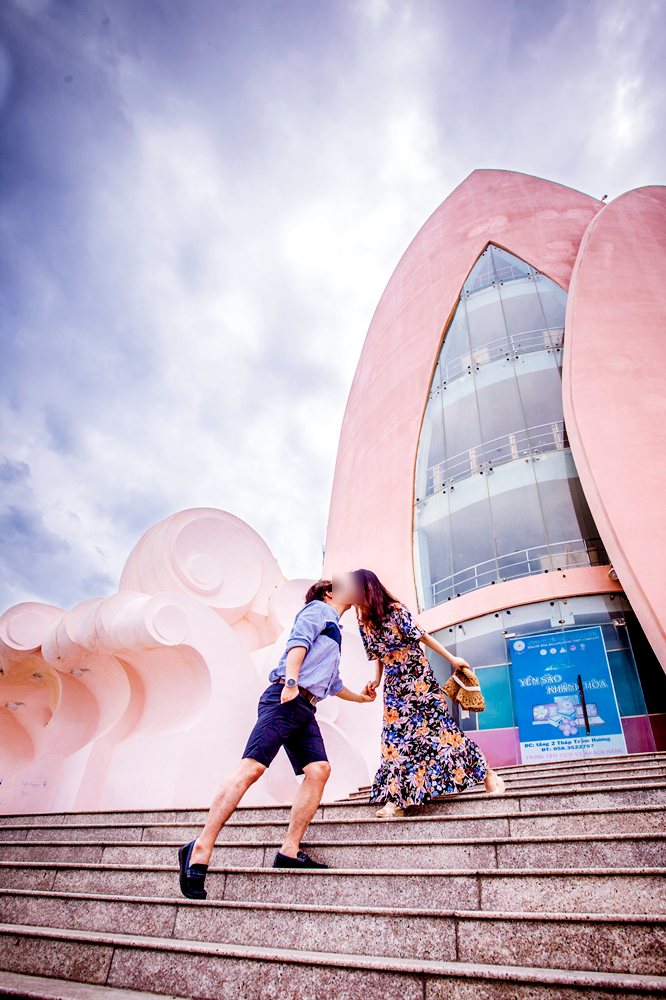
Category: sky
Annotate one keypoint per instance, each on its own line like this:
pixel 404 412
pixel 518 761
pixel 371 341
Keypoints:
pixel 201 202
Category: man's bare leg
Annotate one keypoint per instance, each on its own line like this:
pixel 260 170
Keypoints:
pixel 305 805
pixel 227 798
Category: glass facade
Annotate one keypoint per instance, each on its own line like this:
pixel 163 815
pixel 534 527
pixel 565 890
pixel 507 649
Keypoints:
pixel 484 642
pixel 497 495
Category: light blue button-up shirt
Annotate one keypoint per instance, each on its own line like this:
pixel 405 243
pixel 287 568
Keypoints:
pixel 317 627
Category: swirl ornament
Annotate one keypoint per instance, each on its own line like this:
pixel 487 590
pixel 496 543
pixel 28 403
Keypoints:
pixel 210 555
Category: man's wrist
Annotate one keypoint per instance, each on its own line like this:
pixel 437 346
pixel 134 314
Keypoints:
pixel 290 682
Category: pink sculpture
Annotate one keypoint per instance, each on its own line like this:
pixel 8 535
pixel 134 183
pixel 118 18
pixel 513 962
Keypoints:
pixel 119 702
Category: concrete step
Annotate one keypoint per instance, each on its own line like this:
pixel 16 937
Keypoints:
pixel 597 769
pixel 555 851
pixel 229 971
pixel 597 942
pixel 560 786
pixel 575 890
pixel 574 761
pixel 646 775
pixel 594 795
pixel 623 819
pixel 14 984
pixel 603 768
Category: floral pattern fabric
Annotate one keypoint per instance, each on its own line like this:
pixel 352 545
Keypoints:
pixel 424 753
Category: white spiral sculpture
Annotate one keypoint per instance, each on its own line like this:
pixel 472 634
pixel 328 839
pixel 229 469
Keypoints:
pixel 210 555
pixel 145 699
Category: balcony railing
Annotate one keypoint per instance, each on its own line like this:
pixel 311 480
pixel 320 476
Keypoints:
pixel 522 562
pixel 537 440
pixel 502 348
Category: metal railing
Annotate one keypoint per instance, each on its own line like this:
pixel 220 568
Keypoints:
pixel 499 272
pixel 522 562
pixel 506 347
pixel 539 439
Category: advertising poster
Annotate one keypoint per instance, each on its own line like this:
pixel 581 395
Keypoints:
pixel 551 721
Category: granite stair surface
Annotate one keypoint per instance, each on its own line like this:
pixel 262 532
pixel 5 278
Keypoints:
pixel 555 890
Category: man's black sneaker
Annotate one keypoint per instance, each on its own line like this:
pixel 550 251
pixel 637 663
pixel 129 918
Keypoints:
pixel 302 861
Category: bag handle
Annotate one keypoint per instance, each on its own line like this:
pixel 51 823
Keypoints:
pixel 464 686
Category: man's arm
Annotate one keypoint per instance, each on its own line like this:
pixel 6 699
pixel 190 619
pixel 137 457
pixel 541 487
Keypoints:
pixel 295 658
pixel 348 695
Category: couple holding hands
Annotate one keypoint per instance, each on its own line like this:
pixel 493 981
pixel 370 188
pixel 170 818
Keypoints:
pixel 424 753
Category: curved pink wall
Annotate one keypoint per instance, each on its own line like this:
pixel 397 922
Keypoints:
pixel 370 521
pixel 615 396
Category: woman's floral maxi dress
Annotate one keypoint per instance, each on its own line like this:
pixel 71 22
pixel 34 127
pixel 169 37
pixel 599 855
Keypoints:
pixel 424 753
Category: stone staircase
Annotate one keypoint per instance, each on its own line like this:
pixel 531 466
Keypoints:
pixel 556 890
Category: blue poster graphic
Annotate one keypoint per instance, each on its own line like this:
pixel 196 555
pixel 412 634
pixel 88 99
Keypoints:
pixel 551 721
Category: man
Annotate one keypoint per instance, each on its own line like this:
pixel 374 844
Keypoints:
pixel 306 673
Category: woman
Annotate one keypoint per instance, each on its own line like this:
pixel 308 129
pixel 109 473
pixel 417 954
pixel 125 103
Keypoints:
pixel 424 753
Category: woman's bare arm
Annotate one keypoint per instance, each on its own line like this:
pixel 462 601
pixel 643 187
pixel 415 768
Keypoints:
pixel 379 670
pixel 457 661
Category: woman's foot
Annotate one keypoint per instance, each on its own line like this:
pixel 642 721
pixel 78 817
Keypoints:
pixel 389 811
pixel 494 783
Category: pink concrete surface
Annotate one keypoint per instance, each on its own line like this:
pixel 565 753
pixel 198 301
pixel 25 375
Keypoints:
pixel 572 582
pixel 638 734
pixel 370 521
pixel 615 393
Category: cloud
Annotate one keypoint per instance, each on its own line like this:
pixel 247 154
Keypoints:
pixel 201 205
pixel 33 558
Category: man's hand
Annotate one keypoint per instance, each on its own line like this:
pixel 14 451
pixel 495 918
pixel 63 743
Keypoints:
pixel 288 693
pixel 364 695
pixel 370 690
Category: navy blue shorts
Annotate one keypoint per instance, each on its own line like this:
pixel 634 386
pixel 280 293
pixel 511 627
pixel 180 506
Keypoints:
pixel 292 726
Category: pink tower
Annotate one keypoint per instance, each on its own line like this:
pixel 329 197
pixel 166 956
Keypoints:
pixel 501 459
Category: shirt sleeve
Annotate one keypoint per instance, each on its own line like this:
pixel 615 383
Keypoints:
pixel 335 686
pixel 409 628
pixel 306 628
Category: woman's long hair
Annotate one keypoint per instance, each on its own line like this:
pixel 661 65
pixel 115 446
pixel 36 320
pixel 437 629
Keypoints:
pixel 377 602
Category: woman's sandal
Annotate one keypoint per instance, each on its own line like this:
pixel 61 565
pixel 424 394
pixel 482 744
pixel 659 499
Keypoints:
pixel 389 811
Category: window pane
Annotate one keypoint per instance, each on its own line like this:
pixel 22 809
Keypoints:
pixel 430 466
pixel 524 316
pixel 433 552
pixel 566 518
pixel 502 422
pixel 455 353
pixel 553 302
pixel 463 437
pixel 496 692
pixel 473 547
pixel 481 650
pixel 626 683
pixel 520 535
pixel 485 320
pixel 507 267
pixel 541 396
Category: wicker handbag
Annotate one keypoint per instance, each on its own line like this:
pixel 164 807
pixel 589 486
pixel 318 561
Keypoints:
pixel 463 687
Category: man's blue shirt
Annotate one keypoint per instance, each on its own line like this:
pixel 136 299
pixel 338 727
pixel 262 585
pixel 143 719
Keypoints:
pixel 317 627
